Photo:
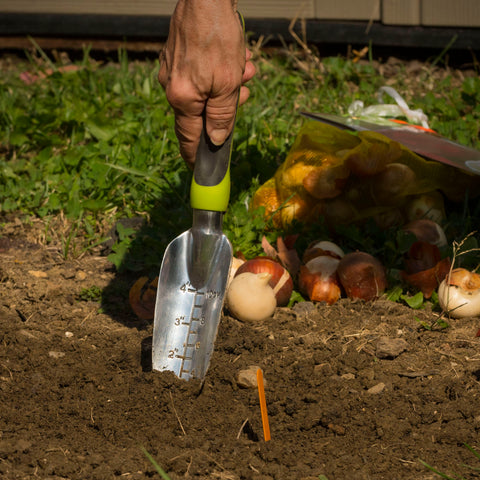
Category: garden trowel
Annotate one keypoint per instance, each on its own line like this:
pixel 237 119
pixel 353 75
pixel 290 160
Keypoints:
pixel 194 272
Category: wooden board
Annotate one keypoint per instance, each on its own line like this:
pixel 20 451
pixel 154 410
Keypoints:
pixel 401 12
pixel 347 9
pixel 249 8
pixel 458 13
pixel 119 7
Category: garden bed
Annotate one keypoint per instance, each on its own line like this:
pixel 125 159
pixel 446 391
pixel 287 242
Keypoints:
pixel 79 400
pixel 92 189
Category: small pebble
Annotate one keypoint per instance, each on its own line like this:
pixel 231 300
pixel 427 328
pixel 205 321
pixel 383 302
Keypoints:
pixel 69 334
pixel 38 273
pixel 26 333
pixel 303 310
pixel 378 388
pixel 56 355
pixel 390 347
pixel 80 275
pixel 247 378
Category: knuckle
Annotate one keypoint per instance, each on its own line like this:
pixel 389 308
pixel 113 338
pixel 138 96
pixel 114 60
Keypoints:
pixel 180 94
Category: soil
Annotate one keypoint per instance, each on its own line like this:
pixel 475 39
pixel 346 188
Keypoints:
pixel 354 391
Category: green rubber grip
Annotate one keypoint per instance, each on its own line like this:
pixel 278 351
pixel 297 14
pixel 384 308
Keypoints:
pixel 210 188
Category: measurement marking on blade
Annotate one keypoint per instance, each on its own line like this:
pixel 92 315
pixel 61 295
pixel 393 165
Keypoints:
pixel 191 344
pixel 183 357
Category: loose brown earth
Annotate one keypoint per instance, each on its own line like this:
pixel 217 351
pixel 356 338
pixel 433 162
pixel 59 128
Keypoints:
pixel 79 401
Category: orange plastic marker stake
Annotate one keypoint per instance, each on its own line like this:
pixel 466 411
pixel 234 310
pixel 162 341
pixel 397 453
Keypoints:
pixel 263 405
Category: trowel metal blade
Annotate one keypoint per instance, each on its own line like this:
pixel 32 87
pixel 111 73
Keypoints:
pixel 191 290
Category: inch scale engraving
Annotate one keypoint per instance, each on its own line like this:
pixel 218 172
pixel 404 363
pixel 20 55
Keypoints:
pixel 194 321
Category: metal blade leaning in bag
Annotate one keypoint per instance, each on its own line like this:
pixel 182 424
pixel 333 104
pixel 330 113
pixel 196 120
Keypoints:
pixel 194 272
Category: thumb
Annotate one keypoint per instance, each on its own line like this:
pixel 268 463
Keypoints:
pixel 220 116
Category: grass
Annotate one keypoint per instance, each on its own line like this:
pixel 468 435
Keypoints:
pixel 95 144
pixel 157 467
pixel 474 470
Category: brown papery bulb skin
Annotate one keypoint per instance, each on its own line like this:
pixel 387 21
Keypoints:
pixel 318 280
pixel 463 278
pixel 370 158
pixel 281 281
pixel 321 248
pixel 427 206
pixel 326 181
pixel 426 230
pixel 427 280
pixel 236 263
pixel 395 179
pixel 362 276
pixel 421 256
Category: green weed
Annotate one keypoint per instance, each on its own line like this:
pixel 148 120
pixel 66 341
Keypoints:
pixel 158 468
pixel 90 294
pixel 474 470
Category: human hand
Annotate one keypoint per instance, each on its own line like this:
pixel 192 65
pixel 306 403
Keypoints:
pixel 203 66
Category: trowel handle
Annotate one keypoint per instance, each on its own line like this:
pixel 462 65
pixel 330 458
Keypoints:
pixel 210 189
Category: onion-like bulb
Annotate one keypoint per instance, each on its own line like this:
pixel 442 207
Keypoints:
pixel 459 293
pixel 427 230
pixel 318 279
pixel 250 298
pixel 362 276
pixel 280 280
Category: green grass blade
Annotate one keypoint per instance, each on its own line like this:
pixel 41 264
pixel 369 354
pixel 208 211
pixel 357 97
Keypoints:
pixel 130 170
pixel 158 468
pixel 445 50
pixel 477 454
pixel 434 470
pixel 45 57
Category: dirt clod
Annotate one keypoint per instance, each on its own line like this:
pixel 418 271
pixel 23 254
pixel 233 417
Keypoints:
pixel 390 347
pixel 247 378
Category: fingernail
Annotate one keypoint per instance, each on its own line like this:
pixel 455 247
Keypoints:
pixel 218 137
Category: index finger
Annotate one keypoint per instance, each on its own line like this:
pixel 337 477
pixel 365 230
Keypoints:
pixel 188 129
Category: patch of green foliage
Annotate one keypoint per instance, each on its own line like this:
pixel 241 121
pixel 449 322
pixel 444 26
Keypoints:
pixel 93 139
pixel 90 294
pixel 98 141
